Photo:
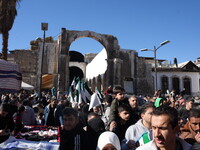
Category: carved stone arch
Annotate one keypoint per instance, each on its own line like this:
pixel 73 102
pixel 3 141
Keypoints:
pixel 109 42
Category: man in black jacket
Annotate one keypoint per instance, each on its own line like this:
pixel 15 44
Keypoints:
pixel 72 136
pixel 6 122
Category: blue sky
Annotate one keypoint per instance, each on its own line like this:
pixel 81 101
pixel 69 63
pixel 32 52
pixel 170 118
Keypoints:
pixel 137 24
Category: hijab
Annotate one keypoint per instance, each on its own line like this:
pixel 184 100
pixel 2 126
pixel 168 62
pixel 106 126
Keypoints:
pixel 108 137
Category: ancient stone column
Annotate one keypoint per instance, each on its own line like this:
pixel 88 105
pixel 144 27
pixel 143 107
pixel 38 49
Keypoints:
pixel 117 71
pixel 63 65
pixel 109 73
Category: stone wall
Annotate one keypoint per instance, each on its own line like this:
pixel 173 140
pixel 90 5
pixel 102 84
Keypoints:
pixel 27 61
pixel 89 57
pixel 144 78
pixel 126 65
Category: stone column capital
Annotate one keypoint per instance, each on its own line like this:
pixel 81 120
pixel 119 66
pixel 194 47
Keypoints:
pixel 117 60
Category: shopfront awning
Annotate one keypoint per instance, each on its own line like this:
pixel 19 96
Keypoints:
pixel 27 86
pixel 47 81
pixel 10 77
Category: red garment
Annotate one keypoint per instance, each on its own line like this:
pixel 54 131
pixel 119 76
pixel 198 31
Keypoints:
pixel 109 91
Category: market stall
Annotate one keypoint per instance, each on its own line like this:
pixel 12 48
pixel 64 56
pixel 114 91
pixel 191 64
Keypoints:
pixel 14 143
pixel 26 86
pixel 39 133
pixel 34 137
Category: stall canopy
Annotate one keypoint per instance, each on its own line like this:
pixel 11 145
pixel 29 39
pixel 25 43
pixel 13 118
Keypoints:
pixel 26 86
pixel 10 77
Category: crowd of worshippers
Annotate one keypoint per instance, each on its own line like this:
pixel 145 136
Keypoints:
pixel 121 122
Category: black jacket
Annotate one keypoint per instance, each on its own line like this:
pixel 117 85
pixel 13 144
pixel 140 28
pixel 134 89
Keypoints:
pixel 73 140
pixel 8 124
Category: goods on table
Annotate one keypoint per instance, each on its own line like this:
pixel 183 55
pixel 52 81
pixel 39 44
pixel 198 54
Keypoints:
pixel 39 133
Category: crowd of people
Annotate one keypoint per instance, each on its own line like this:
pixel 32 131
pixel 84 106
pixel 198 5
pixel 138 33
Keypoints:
pixel 121 122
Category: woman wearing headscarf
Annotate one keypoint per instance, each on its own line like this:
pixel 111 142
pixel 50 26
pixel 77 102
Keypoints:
pixel 108 140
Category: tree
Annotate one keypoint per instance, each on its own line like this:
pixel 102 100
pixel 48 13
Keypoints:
pixel 8 13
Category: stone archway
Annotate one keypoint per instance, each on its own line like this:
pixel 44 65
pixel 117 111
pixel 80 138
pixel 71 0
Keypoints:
pixel 75 72
pixel 109 42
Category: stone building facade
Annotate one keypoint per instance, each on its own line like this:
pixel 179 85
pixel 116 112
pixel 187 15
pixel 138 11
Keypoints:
pixel 27 60
pixel 181 77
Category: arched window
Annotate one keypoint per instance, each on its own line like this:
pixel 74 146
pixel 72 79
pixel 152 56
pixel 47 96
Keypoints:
pixel 187 85
pixel 176 84
pixel 165 84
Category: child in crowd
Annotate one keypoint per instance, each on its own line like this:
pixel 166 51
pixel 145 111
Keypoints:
pixel 122 123
pixel 40 119
pixel 119 99
pixel 105 117
pixel 97 110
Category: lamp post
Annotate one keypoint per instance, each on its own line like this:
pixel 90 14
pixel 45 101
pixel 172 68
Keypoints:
pixel 44 27
pixel 155 50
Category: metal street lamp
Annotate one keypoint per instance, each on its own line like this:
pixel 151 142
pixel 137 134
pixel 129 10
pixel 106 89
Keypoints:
pixel 155 50
pixel 44 27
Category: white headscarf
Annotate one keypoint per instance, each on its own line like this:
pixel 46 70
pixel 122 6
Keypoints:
pixel 108 137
